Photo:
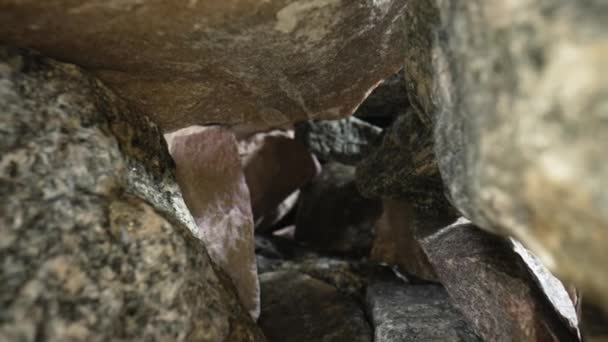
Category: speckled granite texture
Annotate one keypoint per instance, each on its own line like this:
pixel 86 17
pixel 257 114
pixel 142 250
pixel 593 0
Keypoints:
pixel 95 240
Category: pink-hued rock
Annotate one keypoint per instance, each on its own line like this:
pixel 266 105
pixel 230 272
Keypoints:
pixel 213 186
pixel 275 167
pixel 395 242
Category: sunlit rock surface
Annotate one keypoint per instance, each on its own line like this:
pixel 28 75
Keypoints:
pixel 231 61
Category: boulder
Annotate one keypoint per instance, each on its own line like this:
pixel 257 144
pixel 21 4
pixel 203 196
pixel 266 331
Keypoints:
pixel 298 308
pixel 193 62
pixel 386 102
pixel 517 94
pixel 212 181
pixel 333 217
pixel 492 286
pixel 344 141
pixel 402 312
pixel 96 242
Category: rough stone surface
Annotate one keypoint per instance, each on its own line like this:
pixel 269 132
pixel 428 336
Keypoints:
pixel 491 285
pixel 95 239
pixel 552 287
pixel 386 102
pixel 332 215
pixel 403 166
pixel 296 307
pixel 403 312
pixel 395 243
pixel 276 166
pixel 344 141
pixel 212 181
pixel 231 61
pixel 518 94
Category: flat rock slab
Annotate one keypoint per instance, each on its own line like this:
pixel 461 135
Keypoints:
pixel 299 308
pixel 96 243
pixel 492 286
pixel 212 181
pixel 199 62
pixel 403 312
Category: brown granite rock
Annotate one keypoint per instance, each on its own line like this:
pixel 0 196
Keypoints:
pixel 492 286
pixel 230 61
pixel 395 243
pixel 96 242
pixel 275 166
pixel 213 184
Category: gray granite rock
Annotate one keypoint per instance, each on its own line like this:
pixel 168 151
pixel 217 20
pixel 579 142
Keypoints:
pixel 345 141
pixel 333 217
pixel 492 286
pixel 299 308
pixel 403 312
pixel 96 242
pixel 518 96
pixel 194 62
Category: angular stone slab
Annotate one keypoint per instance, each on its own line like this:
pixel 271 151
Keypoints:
pixel 492 286
pixel 209 173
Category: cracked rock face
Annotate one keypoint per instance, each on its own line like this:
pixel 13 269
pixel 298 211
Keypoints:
pixel 232 61
pixel 96 242
pixel 518 96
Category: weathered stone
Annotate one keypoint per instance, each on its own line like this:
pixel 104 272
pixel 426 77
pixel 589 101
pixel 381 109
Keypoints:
pixel 275 166
pixel 95 239
pixel 403 312
pixel 386 102
pixel 518 94
pixel 344 141
pixel 296 307
pixel 404 167
pixel 395 243
pixel 332 215
pixel 231 61
pixel 211 178
pixel 552 287
pixel 491 285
